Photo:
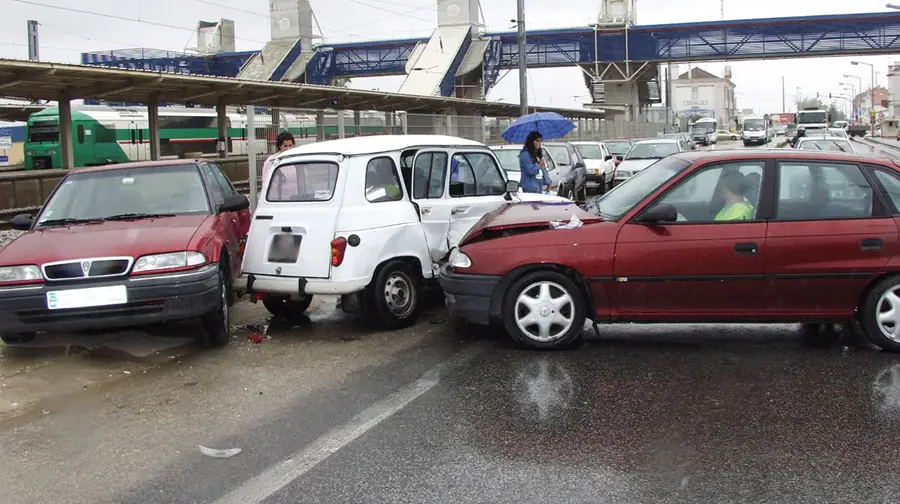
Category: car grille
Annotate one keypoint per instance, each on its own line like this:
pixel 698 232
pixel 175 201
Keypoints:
pixel 87 268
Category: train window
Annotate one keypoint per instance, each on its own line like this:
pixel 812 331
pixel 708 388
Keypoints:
pixel 81 133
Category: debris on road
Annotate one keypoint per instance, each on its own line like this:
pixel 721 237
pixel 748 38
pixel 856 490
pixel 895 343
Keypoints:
pixel 256 338
pixel 212 452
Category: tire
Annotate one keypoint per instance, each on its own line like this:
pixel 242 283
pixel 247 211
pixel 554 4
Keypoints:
pixel 391 300
pixel 217 323
pixel 560 319
pixel 884 333
pixel 14 338
pixel 284 307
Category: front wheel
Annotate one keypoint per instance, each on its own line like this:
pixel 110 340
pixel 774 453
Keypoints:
pixel 391 301
pixel 544 310
pixel 217 323
pixel 880 314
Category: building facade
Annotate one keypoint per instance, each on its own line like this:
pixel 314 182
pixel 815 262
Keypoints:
pixel 698 94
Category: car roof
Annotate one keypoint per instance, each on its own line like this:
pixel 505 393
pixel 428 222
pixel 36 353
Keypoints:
pixel 558 144
pixel 163 163
pixel 379 143
pixel 505 147
pixel 585 142
pixel 657 140
pixel 776 153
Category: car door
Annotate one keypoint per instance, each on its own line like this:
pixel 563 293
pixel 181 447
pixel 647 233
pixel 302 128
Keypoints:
pixel 476 186
pixel 429 181
pixel 609 164
pixel 830 235
pixel 237 223
pixel 697 268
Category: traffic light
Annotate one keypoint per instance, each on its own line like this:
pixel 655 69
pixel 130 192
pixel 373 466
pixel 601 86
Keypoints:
pixel 817 96
pixel 829 96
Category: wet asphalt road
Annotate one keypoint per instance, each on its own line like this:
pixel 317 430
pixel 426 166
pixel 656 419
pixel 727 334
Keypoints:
pixel 330 412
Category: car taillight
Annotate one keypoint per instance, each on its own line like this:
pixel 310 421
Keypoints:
pixel 338 247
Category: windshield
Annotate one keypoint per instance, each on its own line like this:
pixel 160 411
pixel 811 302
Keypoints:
pixel 704 127
pixel 616 203
pixel 754 125
pixel 509 159
pixel 826 145
pixel 43 132
pixel 145 191
pixel 589 151
pixel 812 117
pixel 653 150
pixel 618 148
pixel 559 153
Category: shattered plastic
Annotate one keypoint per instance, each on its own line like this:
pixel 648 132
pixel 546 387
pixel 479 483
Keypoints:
pixel 573 223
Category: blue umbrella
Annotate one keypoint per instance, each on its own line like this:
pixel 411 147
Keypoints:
pixel 548 124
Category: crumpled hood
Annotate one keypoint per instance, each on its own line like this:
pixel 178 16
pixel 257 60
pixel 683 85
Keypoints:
pixel 527 215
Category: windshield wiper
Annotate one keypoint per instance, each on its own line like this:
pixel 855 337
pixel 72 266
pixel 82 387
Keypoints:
pixel 127 216
pixel 66 221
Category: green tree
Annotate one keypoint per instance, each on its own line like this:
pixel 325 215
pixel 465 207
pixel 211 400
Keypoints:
pixel 813 103
pixel 836 113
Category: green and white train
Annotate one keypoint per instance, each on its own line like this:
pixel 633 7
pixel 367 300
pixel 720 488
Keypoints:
pixel 104 134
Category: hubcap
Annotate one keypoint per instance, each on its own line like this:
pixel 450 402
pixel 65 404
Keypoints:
pixel 544 311
pixel 398 294
pixel 887 314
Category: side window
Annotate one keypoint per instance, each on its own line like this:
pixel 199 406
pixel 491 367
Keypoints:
pixel 721 193
pixel 224 183
pixel 475 174
pixel 891 184
pixel 218 193
pixel 80 133
pixel 429 173
pixel 382 182
pixel 816 190
pixel 604 151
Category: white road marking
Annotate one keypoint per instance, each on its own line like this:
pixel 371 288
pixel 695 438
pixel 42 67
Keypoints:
pixel 276 477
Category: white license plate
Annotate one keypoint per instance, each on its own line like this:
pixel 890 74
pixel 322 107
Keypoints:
pixel 87 298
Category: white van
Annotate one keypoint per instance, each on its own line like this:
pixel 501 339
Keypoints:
pixel 368 219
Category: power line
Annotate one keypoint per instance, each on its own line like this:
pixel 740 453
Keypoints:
pixel 216 4
pixel 390 11
pixel 42 47
pixel 120 18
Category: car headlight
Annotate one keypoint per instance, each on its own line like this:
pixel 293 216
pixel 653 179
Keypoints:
pixel 51 152
pixel 15 274
pixel 459 259
pixel 623 173
pixel 172 260
pixel 30 153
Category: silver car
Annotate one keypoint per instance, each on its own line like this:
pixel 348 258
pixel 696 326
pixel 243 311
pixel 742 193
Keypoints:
pixel 508 155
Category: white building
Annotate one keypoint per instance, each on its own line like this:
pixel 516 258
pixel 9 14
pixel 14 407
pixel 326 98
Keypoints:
pixel 701 94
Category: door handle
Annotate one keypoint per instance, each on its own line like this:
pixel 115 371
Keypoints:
pixel 745 248
pixel 871 244
pixel 426 211
pixel 458 210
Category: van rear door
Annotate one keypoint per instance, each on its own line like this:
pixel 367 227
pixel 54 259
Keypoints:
pixel 294 224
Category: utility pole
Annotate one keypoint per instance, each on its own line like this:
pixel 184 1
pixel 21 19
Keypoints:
pixel 783 110
pixel 523 64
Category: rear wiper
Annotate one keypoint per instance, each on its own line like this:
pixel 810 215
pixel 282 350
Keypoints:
pixel 127 216
pixel 67 221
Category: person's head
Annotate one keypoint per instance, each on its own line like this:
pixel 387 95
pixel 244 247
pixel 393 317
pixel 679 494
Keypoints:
pixel 533 143
pixel 733 187
pixel 284 141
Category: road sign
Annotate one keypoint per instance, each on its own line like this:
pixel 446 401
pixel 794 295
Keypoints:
pixel 4 160
pixel 5 138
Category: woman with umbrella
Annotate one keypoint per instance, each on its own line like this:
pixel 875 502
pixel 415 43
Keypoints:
pixel 532 163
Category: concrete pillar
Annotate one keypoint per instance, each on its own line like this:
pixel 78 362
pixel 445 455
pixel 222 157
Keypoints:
pixel 252 169
pixel 581 129
pixel 389 122
pixel 66 149
pixel 448 124
pixel 222 122
pixel 357 123
pixel 340 124
pixel 404 122
pixel 320 125
pixel 153 115
pixel 483 128
pixel 275 128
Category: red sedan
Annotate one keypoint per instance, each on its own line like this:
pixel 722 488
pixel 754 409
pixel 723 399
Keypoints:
pixel 741 236
pixel 126 245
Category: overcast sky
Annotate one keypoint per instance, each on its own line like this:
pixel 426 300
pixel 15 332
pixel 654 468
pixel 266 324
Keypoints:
pixel 65 34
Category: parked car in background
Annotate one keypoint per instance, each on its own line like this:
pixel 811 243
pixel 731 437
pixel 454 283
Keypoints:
pixel 824 142
pixel 508 155
pixel 599 162
pixel 618 148
pixel 726 135
pixel 644 153
pixel 571 168
pixel 684 137
pixel 838 132
pixel 126 245
pixel 368 219
pixel 668 246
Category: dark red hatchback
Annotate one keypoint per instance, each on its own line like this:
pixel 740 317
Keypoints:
pixel 126 245
pixel 715 236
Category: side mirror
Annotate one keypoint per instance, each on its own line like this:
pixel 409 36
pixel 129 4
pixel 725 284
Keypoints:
pixel 579 165
pixel 659 214
pixel 607 158
pixel 22 222
pixel 234 204
pixel 512 186
pixel 619 158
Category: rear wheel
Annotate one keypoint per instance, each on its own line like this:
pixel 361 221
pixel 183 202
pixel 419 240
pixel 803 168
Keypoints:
pixel 391 300
pixel 544 310
pixel 286 307
pixel 13 338
pixel 217 323
pixel 880 314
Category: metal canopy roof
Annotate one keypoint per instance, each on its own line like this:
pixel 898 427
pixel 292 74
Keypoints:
pixel 48 81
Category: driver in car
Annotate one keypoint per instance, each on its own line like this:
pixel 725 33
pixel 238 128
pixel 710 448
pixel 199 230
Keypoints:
pixel 736 205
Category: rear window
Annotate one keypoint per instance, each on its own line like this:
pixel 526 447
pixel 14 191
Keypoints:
pixel 303 182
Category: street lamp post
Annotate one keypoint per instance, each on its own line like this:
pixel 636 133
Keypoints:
pixel 872 114
pixel 852 89
pixel 859 91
